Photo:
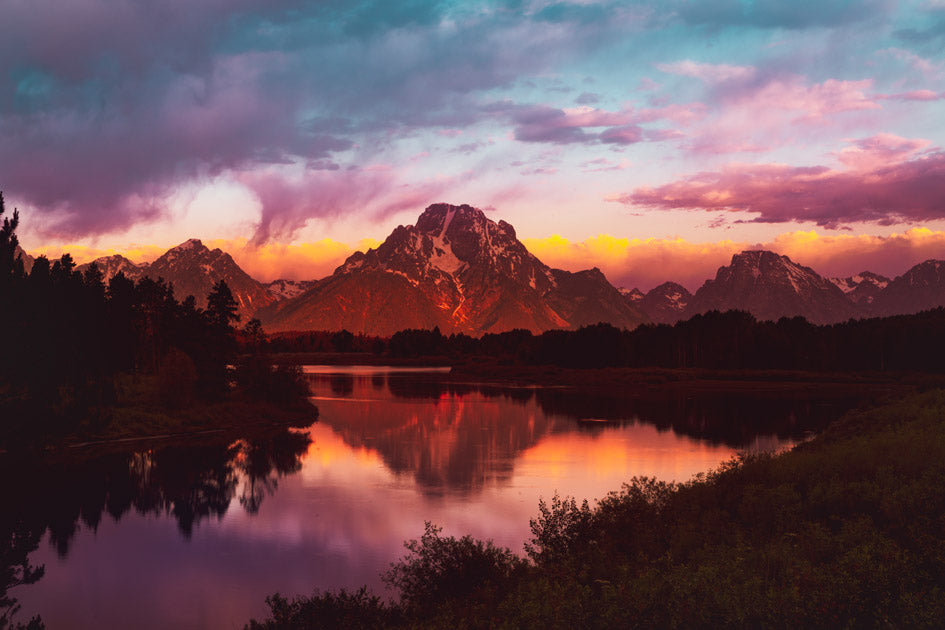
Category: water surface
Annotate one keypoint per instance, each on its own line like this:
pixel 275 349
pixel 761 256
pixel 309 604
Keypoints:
pixel 196 535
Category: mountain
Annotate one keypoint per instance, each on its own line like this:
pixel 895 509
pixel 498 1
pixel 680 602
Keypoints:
pixel 770 287
pixel 27 259
pixel 666 303
pixel 919 289
pixel 632 296
pixel 458 270
pixel 110 266
pixel 285 289
pixel 193 269
pixel 863 288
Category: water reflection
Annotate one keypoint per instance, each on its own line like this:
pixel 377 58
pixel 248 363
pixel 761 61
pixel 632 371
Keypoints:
pixel 197 535
pixel 457 438
pixel 188 484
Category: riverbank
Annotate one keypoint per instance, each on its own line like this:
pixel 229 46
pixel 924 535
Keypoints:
pixel 844 530
pixel 140 414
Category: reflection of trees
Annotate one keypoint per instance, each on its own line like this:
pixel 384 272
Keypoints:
pixel 190 483
pixel 733 418
pixel 425 431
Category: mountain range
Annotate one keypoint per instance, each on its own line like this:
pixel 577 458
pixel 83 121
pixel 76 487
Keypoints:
pixel 458 270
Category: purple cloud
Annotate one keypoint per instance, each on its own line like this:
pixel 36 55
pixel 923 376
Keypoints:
pixel 907 190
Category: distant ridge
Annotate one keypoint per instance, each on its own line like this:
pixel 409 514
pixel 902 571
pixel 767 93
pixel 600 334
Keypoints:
pixel 769 287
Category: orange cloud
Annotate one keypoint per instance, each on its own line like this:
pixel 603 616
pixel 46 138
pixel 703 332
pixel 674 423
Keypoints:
pixel 302 261
pixel 84 253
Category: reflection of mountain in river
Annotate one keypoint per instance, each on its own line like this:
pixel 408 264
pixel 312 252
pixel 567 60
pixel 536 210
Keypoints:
pixel 189 483
pixel 460 437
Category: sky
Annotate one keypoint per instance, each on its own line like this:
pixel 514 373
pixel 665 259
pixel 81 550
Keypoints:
pixel 651 139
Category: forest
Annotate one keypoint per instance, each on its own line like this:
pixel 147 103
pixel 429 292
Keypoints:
pixel 76 348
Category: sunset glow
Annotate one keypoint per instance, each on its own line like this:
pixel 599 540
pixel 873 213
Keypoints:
pixel 651 139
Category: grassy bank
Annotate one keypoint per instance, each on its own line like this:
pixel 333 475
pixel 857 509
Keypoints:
pixel 847 530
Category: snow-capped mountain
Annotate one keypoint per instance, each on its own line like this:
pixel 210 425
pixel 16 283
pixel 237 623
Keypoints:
pixel 110 266
pixel 458 270
pixel 634 296
pixel 770 287
pixel 193 269
pixel 284 289
pixel 666 303
pixel 863 288
pixel 919 289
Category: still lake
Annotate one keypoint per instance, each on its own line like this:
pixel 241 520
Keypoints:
pixel 196 535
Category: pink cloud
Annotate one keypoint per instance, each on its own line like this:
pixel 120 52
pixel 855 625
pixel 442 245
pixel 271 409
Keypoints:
pixel 915 95
pixel 910 188
pixel 885 148
pixel 628 134
pixel 756 116
pixel 711 73
pixel 287 203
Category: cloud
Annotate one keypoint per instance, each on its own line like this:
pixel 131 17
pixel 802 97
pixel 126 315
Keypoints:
pixel 914 95
pixel 775 14
pixel 108 108
pixel 552 125
pixel 289 202
pixel 887 183
pixel 712 73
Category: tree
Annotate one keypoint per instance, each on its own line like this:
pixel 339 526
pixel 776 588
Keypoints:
pixel 221 305
pixel 8 243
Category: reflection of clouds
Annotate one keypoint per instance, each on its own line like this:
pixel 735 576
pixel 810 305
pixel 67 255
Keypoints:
pixel 343 517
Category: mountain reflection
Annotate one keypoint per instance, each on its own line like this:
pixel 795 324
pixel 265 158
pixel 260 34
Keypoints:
pixel 187 483
pixel 457 438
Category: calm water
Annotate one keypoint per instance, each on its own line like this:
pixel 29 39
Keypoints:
pixel 196 536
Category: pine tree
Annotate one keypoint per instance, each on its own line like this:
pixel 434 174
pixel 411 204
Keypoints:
pixel 221 305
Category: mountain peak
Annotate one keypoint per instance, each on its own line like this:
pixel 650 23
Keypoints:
pixel 758 257
pixel 459 270
pixel 189 244
pixel 771 286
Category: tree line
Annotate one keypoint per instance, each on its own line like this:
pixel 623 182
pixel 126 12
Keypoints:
pixel 731 340
pixel 66 335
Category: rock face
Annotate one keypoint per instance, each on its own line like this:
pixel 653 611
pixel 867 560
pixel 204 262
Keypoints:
pixel 26 258
pixel 919 289
pixel 193 269
pixel 666 304
pixel 110 266
pixel 770 286
pixel 286 289
pixel 863 288
pixel 458 270
pixel 632 296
